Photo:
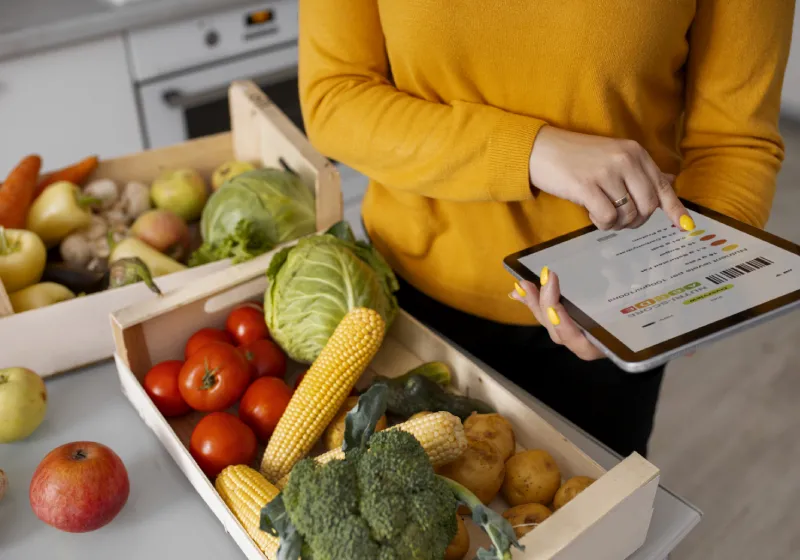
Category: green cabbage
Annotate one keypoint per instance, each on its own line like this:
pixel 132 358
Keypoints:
pixel 254 212
pixel 314 283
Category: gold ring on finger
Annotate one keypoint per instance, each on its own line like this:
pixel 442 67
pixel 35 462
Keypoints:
pixel 621 201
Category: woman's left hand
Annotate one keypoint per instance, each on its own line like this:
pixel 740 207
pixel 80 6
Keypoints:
pixel 548 310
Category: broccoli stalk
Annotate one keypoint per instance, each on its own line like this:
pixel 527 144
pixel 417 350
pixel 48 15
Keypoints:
pixel 493 524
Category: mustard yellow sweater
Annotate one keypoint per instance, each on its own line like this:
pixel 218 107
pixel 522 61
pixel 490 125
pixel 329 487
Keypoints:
pixel 439 102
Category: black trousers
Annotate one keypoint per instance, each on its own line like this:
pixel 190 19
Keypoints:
pixel 615 407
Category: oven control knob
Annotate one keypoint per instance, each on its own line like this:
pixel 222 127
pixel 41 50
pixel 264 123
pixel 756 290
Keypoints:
pixel 212 38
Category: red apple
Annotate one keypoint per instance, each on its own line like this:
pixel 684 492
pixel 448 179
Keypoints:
pixel 79 487
pixel 165 231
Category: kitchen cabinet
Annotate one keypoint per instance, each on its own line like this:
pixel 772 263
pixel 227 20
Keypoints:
pixel 68 103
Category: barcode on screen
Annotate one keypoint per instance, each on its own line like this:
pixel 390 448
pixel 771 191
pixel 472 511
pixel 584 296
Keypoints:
pixel 738 270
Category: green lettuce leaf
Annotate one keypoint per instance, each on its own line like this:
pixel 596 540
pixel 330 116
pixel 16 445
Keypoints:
pixel 245 242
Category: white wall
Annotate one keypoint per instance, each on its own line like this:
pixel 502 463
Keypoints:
pixel 66 104
pixel 791 86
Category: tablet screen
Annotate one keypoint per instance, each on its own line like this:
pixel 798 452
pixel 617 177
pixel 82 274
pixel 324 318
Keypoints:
pixel 648 285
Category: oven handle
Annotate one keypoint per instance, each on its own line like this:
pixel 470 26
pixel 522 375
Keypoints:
pixel 178 99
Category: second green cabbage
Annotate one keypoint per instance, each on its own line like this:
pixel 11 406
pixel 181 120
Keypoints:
pixel 254 212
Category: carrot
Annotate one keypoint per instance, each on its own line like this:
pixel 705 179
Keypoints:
pixel 77 173
pixel 16 194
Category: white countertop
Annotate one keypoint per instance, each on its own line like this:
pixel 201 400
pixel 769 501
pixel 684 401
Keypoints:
pixel 164 516
pixel 31 25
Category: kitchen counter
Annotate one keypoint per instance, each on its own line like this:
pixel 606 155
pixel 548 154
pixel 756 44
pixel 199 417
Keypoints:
pixel 32 25
pixel 164 516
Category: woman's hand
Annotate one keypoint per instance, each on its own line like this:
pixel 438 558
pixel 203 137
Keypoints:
pixel 548 310
pixel 615 180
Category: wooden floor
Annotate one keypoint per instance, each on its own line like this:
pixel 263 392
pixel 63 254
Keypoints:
pixel 727 434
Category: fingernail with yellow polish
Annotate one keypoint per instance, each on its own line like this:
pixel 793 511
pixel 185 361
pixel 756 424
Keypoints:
pixel 553 316
pixel 687 223
pixel 544 275
pixel 519 290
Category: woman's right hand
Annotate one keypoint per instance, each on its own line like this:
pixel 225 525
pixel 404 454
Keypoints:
pixel 595 172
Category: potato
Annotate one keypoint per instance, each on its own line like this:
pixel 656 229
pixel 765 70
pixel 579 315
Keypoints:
pixel 480 469
pixel 532 476
pixel 570 489
pixel 334 433
pixel 492 428
pixel 523 517
pixel 459 546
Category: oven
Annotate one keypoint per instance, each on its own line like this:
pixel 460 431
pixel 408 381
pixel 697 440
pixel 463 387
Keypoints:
pixel 182 70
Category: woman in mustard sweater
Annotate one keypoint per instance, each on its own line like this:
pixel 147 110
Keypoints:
pixel 487 127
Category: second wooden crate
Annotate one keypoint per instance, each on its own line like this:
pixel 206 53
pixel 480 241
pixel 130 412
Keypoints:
pixel 76 331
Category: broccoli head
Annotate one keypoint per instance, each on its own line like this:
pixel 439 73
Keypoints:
pixel 385 502
pixel 382 501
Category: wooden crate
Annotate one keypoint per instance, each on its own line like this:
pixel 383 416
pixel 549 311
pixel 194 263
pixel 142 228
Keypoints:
pixel 76 331
pixel 608 521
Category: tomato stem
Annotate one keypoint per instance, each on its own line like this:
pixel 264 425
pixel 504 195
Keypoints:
pixel 209 376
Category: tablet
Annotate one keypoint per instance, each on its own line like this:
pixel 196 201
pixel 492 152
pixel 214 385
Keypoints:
pixel 647 295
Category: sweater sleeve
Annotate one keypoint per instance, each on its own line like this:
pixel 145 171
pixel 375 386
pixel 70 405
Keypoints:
pixel 732 149
pixel 458 151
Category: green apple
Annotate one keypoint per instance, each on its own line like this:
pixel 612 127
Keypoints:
pixel 23 403
pixel 183 191
pixel 228 171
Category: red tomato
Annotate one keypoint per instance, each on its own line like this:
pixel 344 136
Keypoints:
pixel 161 385
pixel 265 357
pixel 203 337
pixel 220 440
pixel 246 324
pixel 263 405
pixel 214 377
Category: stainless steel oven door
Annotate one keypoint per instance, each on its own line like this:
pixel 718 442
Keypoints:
pixel 194 103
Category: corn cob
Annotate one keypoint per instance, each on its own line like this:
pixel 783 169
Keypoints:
pixel 441 434
pixel 324 390
pixel 245 492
